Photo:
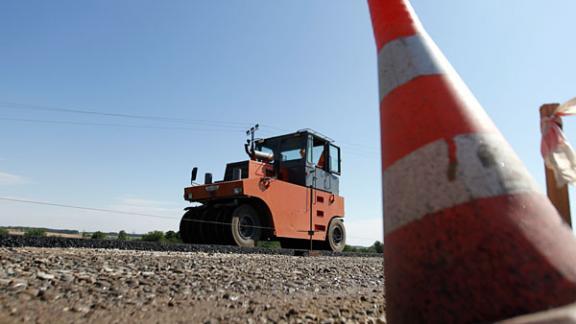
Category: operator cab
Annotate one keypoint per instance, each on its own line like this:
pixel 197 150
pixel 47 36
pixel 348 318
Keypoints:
pixel 304 158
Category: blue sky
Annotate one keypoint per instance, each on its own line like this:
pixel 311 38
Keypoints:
pixel 216 67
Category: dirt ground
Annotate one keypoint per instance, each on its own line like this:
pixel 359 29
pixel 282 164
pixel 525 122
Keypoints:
pixel 40 285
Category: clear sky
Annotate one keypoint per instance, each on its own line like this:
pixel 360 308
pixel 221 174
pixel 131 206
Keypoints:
pixel 212 68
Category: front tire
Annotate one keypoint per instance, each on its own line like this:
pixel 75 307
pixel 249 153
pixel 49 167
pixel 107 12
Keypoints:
pixel 245 226
pixel 336 236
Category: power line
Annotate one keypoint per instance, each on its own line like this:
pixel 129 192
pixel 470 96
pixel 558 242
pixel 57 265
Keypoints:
pixel 358 150
pixel 102 210
pixel 64 122
pixel 14 105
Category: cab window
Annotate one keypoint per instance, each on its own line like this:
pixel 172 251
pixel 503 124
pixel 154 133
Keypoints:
pixel 292 149
pixel 334 159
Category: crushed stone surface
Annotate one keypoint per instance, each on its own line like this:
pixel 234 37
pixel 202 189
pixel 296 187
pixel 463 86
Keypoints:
pixel 53 285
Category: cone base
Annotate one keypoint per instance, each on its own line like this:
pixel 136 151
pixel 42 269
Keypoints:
pixel 486 260
pixel 564 315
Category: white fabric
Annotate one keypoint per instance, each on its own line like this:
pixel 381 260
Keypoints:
pixel 567 108
pixel 556 151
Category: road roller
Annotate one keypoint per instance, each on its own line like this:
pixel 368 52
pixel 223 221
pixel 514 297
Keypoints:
pixel 287 191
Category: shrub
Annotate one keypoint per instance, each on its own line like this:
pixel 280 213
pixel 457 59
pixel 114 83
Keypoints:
pixel 268 244
pixel 98 236
pixel 377 247
pixel 350 248
pixel 3 232
pixel 173 237
pixel 155 236
pixel 35 232
pixel 122 236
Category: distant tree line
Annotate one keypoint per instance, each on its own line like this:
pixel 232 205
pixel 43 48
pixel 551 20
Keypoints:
pixel 377 247
pixel 154 236
pixel 165 237
pixel 38 229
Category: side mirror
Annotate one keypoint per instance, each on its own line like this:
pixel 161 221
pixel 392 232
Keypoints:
pixel 194 174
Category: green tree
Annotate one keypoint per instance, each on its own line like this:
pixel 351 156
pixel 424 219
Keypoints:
pixel 98 236
pixel 35 232
pixel 173 237
pixel 3 232
pixel 154 236
pixel 350 248
pixel 122 236
pixel 378 247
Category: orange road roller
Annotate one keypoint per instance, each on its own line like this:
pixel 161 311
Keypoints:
pixel 286 191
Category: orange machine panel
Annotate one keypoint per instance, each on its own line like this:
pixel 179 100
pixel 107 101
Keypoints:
pixel 289 204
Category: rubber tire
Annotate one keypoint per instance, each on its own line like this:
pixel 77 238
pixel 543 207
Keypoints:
pixel 335 224
pixel 239 213
pixel 187 226
pixel 202 227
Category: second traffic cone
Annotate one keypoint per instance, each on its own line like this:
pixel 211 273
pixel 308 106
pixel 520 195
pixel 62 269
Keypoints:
pixel 468 236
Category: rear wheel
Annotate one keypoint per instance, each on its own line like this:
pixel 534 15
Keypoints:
pixel 187 226
pixel 336 236
pixel 245 226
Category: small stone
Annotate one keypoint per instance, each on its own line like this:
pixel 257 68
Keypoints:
pixel 45 276
pixel 81 309
pixel 147 274
pixel 32 292
pixel 103 284
pixel 19 284
pixel 310 316
pixel 291 312
pixel 67 277
pixel 46 295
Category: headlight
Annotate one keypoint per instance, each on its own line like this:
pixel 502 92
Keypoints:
pixel 237 191
pixel 189 196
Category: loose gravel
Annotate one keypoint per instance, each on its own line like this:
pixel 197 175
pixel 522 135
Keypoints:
pixel 71 285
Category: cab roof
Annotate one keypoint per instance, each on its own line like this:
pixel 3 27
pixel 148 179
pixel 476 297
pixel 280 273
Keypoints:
pixel 300 133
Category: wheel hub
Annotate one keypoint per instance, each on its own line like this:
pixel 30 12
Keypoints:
pixel 337 235
pixel 246 227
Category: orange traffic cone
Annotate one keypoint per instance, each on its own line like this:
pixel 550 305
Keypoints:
pixel 468 236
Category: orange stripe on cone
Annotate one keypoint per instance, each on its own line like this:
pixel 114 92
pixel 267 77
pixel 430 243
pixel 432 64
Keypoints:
pixel 390 21
pixel 416 107
pixel 468 237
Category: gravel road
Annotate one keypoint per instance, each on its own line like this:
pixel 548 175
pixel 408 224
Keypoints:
pixel 53 285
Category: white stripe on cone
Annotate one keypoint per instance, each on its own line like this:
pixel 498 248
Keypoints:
pixel 404 59
pixel 419 184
